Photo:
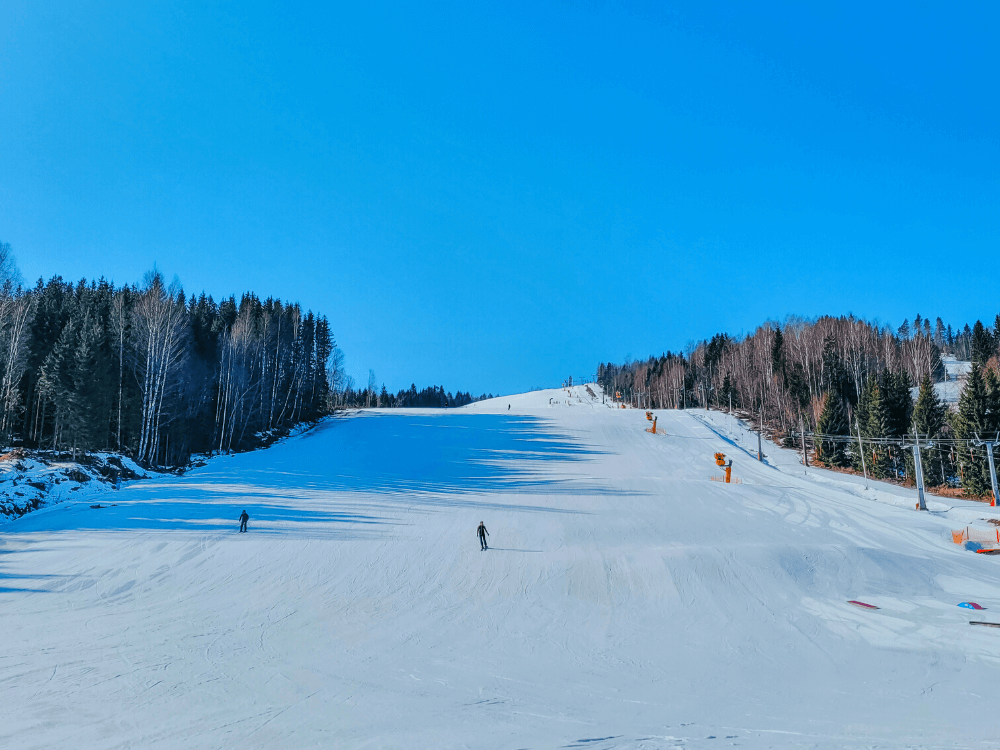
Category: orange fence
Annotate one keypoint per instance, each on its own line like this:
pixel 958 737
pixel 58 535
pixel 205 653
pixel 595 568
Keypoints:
pixel 730 480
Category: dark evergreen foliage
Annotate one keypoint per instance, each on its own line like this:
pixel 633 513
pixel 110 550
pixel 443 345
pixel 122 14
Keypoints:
pixel 929 423
pixel 978 416
pixel 832 421
pixel 150 372
pixel 983 345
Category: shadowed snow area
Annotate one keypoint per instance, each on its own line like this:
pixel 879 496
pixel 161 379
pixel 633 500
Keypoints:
pixel 627 601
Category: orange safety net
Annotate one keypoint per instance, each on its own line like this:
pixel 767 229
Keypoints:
pixel 969 534
pixel 732 480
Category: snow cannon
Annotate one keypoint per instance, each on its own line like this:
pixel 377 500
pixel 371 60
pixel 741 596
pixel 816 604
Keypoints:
pixel 649 416
pixel 653 428
pixel 720 460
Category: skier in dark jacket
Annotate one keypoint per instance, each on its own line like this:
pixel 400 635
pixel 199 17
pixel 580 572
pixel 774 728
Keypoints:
pixel 483 533
pixel 243 521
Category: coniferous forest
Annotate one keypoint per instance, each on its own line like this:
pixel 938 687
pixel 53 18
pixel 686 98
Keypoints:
pixel 151 372
pixel 847 384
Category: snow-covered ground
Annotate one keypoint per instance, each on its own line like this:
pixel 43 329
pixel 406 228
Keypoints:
pixel 955 368
pixel 627 601
pixel 949 392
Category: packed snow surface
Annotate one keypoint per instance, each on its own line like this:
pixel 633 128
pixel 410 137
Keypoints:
pixel 626 599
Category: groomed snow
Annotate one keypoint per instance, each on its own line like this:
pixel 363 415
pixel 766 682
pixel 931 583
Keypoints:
pixel 627 601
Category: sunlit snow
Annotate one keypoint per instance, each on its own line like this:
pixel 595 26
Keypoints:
pixel 627 600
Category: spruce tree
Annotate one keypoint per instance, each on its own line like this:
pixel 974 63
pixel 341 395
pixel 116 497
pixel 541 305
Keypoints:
pixel 727 388
pixel 974 419
pixel 55 383
pixel 833 368
pixel 928 421
pixel 798 387
pixel 778 355
pixel 879 423
pixel 867 397
pixel 982 346
pixel 832 421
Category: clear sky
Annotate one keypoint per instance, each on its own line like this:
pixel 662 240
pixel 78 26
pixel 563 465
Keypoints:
pixel 495 197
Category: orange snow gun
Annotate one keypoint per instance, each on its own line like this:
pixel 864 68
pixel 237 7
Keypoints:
pixel 720 460
pixel 653 428
pixel 649 416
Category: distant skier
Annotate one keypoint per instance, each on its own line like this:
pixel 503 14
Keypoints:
pixel 508 407
pixel 243 521
pixel 483 533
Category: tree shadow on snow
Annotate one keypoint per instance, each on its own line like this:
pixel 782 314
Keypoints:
pixel 448 453
pixel 349 478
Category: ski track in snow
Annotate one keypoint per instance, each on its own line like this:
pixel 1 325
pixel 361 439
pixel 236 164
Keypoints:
pixel 626 600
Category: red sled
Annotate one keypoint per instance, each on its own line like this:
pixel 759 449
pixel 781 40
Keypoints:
pixel 862 604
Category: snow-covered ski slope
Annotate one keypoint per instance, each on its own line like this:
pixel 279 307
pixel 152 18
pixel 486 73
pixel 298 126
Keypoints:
pixel 627 600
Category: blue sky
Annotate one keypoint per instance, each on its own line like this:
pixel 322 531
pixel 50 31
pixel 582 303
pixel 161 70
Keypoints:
pixel 495 197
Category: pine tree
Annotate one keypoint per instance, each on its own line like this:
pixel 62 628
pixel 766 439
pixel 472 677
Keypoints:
pixel 798 387
pixel 832 421
pixel 833 368
pixel 899 403
pixel 88 413
pixel 887 407
pixel 928 421
pixel 982 346
pixel 56 383
pixel 866 400
pixel 974 419
pixel 778 355
pixel 727 389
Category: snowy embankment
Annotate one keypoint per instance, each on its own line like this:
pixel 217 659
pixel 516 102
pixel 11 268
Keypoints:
pixel 628 601
pixel 34 480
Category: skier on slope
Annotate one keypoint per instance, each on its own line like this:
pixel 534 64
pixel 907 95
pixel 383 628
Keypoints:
pixel 243 521
pixel 483 533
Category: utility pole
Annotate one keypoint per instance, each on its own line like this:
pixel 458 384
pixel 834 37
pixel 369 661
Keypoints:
pixel 919 471
pixel 802 429
pixel 993 469
pixel 861 449
pixel 760 429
